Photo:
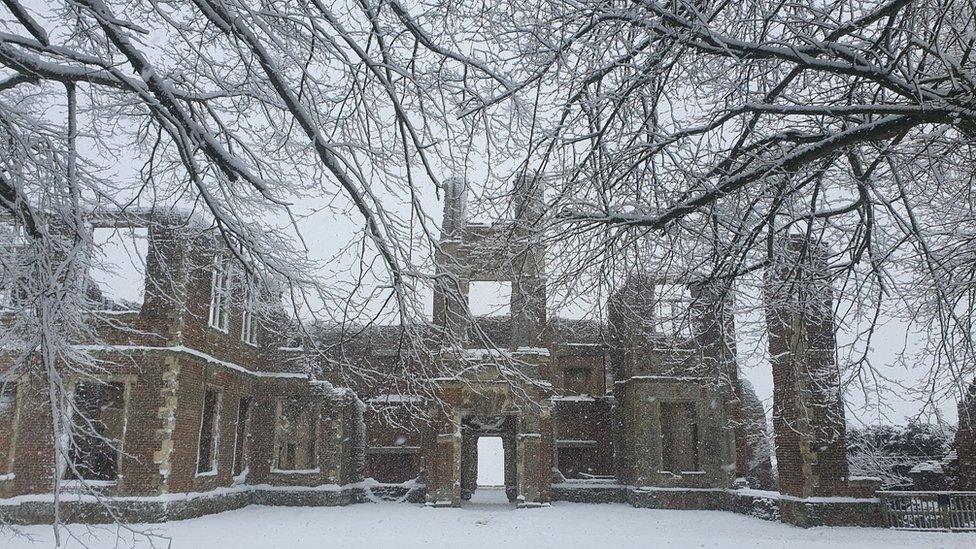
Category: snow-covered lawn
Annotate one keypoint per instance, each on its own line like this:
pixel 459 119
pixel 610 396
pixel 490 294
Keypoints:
pixel 488 523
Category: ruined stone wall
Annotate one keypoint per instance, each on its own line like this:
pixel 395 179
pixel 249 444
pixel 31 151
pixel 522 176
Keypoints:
pixel 394 436
pixel 757 447
pixel 670 391
pixel 32 443
pixel 167 356
pixel 808 412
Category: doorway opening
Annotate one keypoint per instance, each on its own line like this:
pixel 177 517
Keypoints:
pixel 491 471
pixel 491 462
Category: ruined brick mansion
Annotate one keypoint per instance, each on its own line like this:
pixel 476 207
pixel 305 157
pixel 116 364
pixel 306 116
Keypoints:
pixel 201 404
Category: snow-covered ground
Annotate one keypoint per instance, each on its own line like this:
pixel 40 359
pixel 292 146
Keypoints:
pixel 488 522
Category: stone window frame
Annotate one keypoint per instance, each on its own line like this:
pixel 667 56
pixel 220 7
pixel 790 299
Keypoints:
pixel 412 453
pixel 699 442
pixel 572 383
pixel 12 386
pixel 669 296
pixel 278 433
pixel 14 235
pixel 249 321
pixel 215 429
pixel 500 284
pixel 240 430
pixel 127 381
pixel 220 290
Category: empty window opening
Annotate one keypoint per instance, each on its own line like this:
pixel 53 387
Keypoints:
pixel 393 467
pixel 118 267
pixel 679 437
pixel 207 455
pixel 8 411
pixel 490 298
pixel 491 461
pixel 672 307
pixel 13 267
pixel 578 380
pixel 220 295
pixel 573 462
pixel 295 435
pixel 241 438
pixel 249 323
pixel 98 421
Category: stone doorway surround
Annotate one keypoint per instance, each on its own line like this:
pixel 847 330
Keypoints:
pixel 485 402
pixel 472 429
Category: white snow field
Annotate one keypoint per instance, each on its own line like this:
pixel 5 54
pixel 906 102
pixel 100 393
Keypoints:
pixel 487 522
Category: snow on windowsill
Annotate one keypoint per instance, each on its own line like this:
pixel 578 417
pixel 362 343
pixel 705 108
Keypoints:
pixel 573 398
pixel 660 378
pixel 7 476
pixel 396 399
pixel 242 477
pixel 296 471
pixel 543 351
pixel 212 473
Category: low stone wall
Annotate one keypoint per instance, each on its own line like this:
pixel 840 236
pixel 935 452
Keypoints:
pixel 87 509
pixel 589 492
pixel 836 511
pixel 410 492
pixel 679 498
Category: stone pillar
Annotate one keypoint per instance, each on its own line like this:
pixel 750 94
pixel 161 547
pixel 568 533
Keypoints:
pixel 451 287
pixel 534 462
pixel 450 301
pixel 455 208
pixel 715 331
pixel 509 445
pixel 808 411
pixel 442 450
pixel 528 303
pixel 966 440
pixel 469 464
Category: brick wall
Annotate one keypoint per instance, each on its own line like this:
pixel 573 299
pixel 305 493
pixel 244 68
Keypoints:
pixel 965 441
pixel 808 412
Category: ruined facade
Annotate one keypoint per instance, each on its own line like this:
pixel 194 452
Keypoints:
pixel 187 401
pixel 211 410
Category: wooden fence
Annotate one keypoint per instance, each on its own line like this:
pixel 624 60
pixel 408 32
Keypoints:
pixel 929 510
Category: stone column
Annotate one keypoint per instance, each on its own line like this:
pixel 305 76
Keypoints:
pixel 451 286
pixel 528 304
pixel 534 462
pixel 966 440
pixel 808 411
pixel 509 445
pixel 715 331
pixel 442 450
pixel 469 464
